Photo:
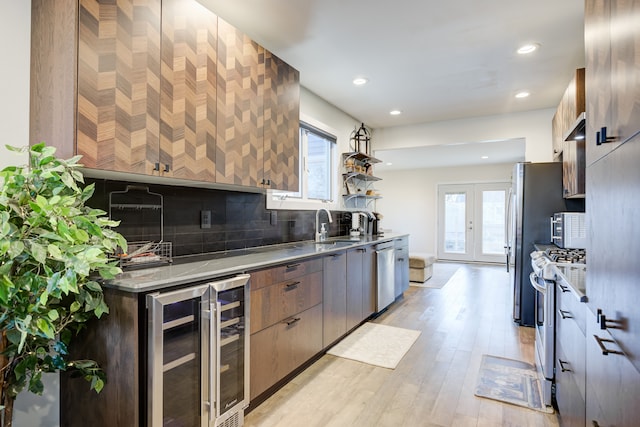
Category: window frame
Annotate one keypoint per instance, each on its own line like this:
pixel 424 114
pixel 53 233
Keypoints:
pixel 278 199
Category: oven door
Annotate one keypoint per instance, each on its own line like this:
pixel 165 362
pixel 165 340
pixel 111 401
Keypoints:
pixel 544 323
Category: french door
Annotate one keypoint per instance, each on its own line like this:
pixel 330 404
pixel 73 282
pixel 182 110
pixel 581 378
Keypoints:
pixel 471 221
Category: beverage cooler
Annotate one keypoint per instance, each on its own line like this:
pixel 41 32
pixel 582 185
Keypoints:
pixel 198 355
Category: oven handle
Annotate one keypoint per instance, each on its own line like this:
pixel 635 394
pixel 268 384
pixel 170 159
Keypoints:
pixel 534 282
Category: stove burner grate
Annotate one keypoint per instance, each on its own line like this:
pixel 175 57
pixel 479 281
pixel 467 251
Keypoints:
pixel 568 256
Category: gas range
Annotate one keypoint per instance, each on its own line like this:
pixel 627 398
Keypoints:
pixel 566 256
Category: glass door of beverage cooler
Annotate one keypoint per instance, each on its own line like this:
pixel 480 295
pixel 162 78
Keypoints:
pixel 231 343
pixel 179 331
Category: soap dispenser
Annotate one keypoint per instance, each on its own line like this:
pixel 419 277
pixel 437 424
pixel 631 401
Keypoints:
pixel 323 231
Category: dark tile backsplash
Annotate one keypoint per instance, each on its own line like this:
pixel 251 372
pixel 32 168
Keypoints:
pixel 238 220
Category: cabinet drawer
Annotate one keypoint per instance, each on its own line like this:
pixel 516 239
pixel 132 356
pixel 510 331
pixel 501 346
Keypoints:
pixel 569 396
pixel 278 350
pixel 613 383
pixel 571 307
pixel 274 303
pixel 292 270
pixel 571 340
pixel 401 241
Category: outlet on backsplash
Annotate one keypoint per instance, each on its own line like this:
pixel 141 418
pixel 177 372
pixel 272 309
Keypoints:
pixel 205 219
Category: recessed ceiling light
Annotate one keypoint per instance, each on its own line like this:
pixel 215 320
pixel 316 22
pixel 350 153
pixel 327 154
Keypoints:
pixel 359 81
pixel 528 48
pixel 395 112
pixel 523 94
pixel 389 164
pixel 484 157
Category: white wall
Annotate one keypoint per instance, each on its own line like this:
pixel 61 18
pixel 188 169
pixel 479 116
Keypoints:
pixel 15 32
pixel 409 201
pixel 534 126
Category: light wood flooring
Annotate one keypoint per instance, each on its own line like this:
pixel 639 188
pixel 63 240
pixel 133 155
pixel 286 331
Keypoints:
pixel 434 383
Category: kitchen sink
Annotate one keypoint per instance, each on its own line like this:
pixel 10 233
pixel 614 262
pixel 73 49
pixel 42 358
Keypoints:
pixel 334 244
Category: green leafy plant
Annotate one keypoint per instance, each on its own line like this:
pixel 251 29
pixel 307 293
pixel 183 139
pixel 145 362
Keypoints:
pixel 54 250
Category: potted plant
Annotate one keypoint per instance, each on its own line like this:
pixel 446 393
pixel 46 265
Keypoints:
pixel 53 251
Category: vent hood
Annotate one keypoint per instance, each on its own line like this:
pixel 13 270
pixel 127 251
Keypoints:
pixel 577 130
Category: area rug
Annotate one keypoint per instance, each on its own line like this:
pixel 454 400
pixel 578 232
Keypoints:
pixel 376 344
pixel 442 273
pixel 510 381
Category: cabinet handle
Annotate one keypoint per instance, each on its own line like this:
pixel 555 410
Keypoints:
pixel 564 288
pixel 291 321
pixel 362 250
pixel 156 167
pixel 602 138
pixel 400 259
pixel 292 266
pixel 562 368
pixel 605 350
pixel 565 314
pixel 291 286
pixel 610 323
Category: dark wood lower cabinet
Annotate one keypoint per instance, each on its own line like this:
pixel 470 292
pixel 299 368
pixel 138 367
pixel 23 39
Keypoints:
pixel 570 358
pixel 369 289
pixel 355 287
pixel 613 383
pixel 334 300
pixel 113 342
pixel 279 349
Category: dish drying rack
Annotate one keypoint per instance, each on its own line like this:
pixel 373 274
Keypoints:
pixel 142 253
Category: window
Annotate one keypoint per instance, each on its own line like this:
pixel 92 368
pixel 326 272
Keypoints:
pixel 317 151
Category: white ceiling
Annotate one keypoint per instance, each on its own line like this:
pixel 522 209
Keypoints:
pixel 432 59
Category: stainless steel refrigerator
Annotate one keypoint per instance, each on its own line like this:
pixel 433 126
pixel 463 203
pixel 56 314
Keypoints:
pixel 536 194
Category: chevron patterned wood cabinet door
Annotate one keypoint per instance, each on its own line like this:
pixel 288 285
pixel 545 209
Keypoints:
pixel 240 83
pixel 119 84
pixel 281 124
pixel 162 87
pixel 188 95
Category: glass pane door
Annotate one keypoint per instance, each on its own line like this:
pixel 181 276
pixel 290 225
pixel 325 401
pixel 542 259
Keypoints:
pixel 491 219
pixel 232 348
pixel 176 375
pixel 471 222
pixel 455 222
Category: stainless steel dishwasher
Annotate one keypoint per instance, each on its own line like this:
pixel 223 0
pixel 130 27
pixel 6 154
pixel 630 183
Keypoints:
pixel 385 275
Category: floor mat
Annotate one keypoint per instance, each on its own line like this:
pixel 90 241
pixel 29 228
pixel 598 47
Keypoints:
pixel 376 344
pixel 510 381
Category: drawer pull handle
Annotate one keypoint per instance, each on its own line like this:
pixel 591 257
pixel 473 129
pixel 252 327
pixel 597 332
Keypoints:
pixel 605 351
pixel 292 266
pixel 362 250
pixel 565 314
pixel 291 321
pixel 291 286
pixel 564 288
pixel 562 368
pixel 610 323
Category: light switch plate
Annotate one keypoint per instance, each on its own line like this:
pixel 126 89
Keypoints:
pixel 205 219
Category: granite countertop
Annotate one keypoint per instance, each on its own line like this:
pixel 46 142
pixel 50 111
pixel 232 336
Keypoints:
pixel 196 268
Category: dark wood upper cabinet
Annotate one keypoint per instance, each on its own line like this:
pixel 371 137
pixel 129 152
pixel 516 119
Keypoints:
pixel 118 85
pixel 567 121
pixel 240 151
pixel 281 124
pixel 162 88
pixel 188 95
pixel 612 43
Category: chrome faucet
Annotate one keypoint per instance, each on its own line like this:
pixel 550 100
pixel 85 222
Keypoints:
pixel 321 236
